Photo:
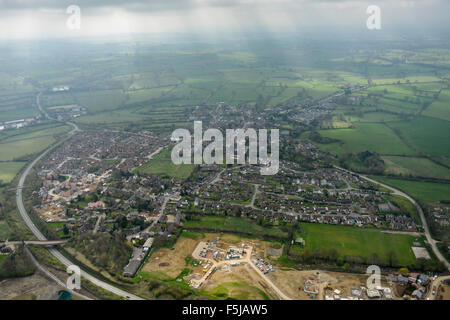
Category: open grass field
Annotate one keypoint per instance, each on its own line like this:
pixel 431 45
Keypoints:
pixel 233 224
pixel 414 166
pixel 441 108
pixel 8 170
pixel 422 191
pixel 27 141
pixel 365 136
pixel 162 165
pixel 100 100
pixel 12 150
pixel 426 135
pixel 357 242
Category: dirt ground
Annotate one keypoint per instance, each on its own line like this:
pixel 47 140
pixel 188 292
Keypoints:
pixel 172 261
pixel 35 287
pixel 239 283
pixel 444 292
pixel 242 282
pixel 292 282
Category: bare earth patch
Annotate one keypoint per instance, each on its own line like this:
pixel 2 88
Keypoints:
pixel 240 282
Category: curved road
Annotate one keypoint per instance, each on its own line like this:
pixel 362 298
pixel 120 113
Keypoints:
pixel 430 240
pixel 41 237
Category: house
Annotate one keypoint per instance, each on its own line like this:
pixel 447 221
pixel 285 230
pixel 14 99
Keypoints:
pixel 131 268
pixel 96 205
pixel 423 279
pixel 401 279
pixel 148 244
pixel 417 294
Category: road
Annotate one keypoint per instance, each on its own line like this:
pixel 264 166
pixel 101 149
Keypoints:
pixel 434 286
pixel 52 276
pixel 38 242
pixel 159 216
pixel 41 110
pixel 430 240
pixel 40 236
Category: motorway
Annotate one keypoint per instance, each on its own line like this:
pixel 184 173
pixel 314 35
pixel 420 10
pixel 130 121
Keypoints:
pixel 430 240
pixel 53 277
pixel 36 242
pixel 124 294
pixel 41 237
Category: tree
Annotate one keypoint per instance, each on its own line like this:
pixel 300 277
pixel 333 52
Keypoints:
pixel 391 258
pixel 65 230
pixel 333 254
pixel 373 259
pixel 403 271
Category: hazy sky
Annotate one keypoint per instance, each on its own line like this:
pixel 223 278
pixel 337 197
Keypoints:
pixel 47 18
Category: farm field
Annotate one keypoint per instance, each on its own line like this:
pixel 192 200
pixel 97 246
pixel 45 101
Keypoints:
pixel 422 191
pixel 365 136
pixel 8 170
pixel 414 166
pixel 357 242
pixel 441 108
pixel 426 135
pixel 162 165
pixel 100 100
pixel 29 141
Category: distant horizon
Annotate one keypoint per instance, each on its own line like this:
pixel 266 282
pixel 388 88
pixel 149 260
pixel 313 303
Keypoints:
pixel 48 19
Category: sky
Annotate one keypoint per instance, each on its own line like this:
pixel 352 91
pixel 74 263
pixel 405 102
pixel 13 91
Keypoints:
pixel 48 18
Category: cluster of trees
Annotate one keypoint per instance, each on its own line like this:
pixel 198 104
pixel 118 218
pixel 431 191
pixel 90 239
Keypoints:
pixel 109 252
pixel 122 222
pixel 165 290
pixel 317 137
pixel 366 161
pixel 16 265
pixel 331 256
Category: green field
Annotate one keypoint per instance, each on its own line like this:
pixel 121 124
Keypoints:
pixel 357 242
pixel 8 170
pixel 422 191
pixel 422 167
pixel 26 141
pixel 162 165
pixel 426 135
pixel 365 136
pixel 441 108
pixel 233 224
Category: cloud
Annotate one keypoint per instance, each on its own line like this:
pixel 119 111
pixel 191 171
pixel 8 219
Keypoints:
pixel 47 17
